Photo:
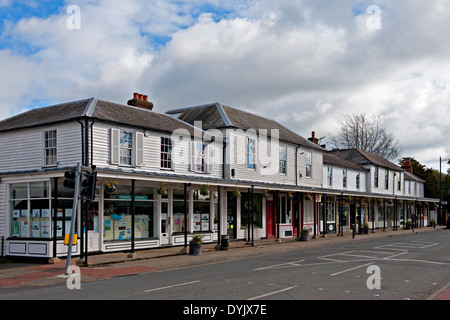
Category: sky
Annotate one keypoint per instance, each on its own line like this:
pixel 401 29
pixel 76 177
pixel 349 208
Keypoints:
pixel 303 63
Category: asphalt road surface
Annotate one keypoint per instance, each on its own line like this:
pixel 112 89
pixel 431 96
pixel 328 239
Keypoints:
pixel 409 267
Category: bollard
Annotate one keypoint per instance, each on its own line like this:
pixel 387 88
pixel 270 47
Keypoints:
pixel 354 231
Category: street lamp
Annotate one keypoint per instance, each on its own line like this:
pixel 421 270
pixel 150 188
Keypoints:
pixel 441 218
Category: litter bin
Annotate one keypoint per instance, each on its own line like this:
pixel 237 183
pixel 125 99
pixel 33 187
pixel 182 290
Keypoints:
pixel 224 242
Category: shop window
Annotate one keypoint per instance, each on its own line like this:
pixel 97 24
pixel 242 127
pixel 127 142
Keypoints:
pixel 257 209
pixel 178 210
pixel 118 219
pixel 285 210
pixel 202 212
pixel 29 205
pixel 64 209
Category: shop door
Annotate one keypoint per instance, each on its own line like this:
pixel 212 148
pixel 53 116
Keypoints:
pixel 165 223
pixel 93 227
pixel 231 216
pixel 270 219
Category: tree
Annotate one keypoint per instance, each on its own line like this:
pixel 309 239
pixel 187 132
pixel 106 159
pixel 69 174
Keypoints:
pixel 368 134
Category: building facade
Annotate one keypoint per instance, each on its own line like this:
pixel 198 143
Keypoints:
pixel 161 178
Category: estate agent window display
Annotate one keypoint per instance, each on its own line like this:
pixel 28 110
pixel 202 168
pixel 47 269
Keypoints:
pixel 31 211
pixel 117 213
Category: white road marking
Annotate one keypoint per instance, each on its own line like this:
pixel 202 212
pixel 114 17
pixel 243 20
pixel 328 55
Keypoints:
pixel 172 286
pixel 271 293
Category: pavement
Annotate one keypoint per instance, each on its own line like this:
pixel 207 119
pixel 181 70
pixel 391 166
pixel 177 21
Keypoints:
pixel 106 266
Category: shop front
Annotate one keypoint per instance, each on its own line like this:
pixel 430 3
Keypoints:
pixel 281 218
pixel 126 214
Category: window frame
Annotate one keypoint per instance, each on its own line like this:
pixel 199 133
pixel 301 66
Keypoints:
pixel 166 148
pixel 308 164
pixel 51 148
pixel 344 178
pixel 330 176
pixel 251 153
pixel 283 160
pixel 128 148
pixel 358 181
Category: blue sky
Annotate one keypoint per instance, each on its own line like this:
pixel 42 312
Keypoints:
pixel 304 63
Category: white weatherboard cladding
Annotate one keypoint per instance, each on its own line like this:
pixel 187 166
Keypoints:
pixel 24 149
pixel 149 144
pixel 338 175
pixel 267 161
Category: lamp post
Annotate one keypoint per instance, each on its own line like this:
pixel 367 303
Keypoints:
pixel 441 218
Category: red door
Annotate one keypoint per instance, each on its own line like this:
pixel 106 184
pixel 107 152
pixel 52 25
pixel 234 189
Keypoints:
pixel 271 220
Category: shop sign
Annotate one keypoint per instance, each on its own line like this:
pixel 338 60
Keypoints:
pixel 128 197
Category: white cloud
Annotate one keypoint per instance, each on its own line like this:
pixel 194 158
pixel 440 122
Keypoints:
pixel 304 63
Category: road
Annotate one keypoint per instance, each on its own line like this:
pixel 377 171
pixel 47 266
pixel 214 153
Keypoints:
pixel 409 267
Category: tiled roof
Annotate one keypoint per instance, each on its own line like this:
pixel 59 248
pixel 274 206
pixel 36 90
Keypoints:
pixel 332 159
pixel 216 115
pixel 97 109
pixel 361 157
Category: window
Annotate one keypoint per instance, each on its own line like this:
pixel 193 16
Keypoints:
pixel 344 178
pixel 251 153
pixel 386 179
pixel 283 159
pixel 375 180
pixel 308 164
pixel 202 211
pixel 257 209
pixel 126 148
pixel 358 179
pixel 198 157
pixel 166 153
pixel 285 210
pixel 330 176
pixel 29 205
pixel 178 210
pixel 118 220
pixel 50 148
pixel 399 182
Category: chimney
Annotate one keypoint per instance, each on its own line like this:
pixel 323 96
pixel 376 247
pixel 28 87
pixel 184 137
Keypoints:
pixel 313 138
pixel 406 164
pixel 140 101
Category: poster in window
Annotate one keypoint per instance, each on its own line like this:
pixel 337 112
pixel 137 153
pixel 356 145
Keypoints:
pixel 123 223
pixel 45 213
pixel 36 229
pixel 16 214
pixel 24 228
pixel 205 221
pixel 197 222
pixel 15 228
pixel 24 213
pixel 45 229
pixel 59 229
pixel 69 212
pixel 36 213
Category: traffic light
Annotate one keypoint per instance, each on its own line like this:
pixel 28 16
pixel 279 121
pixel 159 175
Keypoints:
pixel 70 179
pixel 88 182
